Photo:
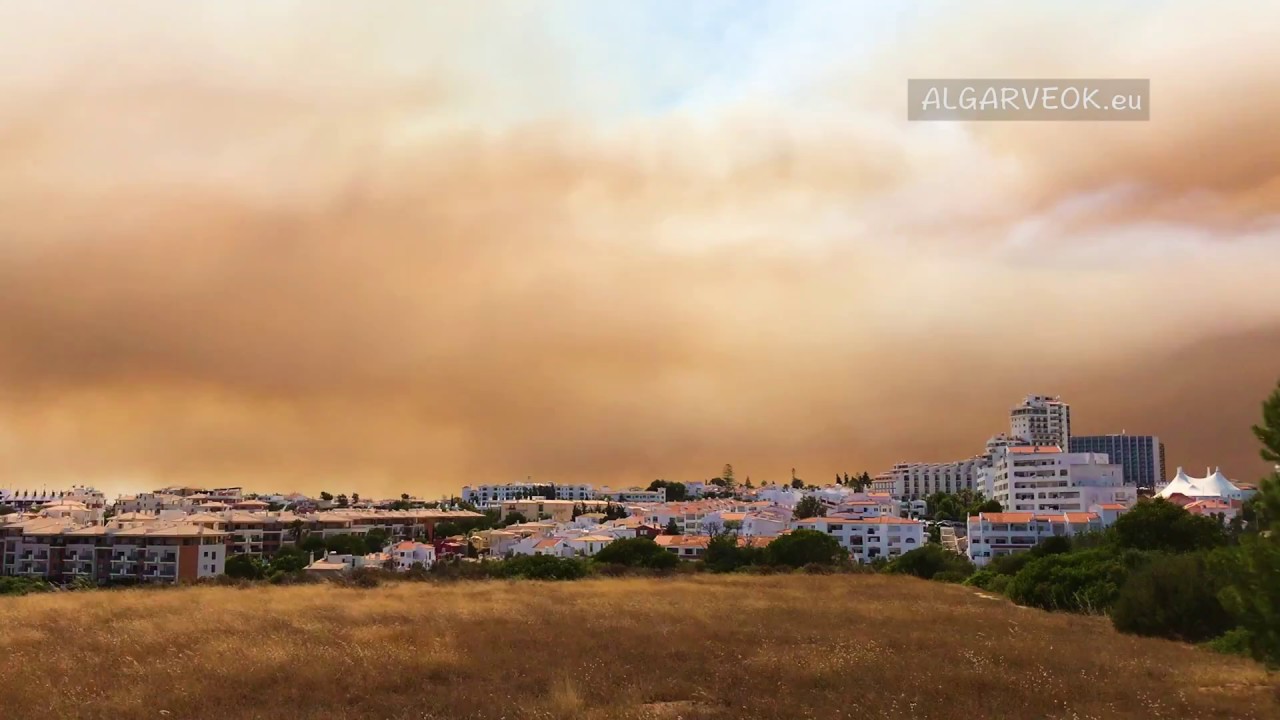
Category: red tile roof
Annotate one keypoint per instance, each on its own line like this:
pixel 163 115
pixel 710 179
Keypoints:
pixel 1008 517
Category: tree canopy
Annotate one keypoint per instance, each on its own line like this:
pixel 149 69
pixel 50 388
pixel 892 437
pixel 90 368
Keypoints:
pixel 1161 525
pixel 804 547
pixel 809 506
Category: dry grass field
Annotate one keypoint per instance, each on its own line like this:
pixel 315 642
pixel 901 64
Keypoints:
pixel 691 647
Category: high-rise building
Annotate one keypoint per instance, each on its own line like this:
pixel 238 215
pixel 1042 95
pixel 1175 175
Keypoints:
pixel 1142 456
pixel 1046 479
pixel 1043 420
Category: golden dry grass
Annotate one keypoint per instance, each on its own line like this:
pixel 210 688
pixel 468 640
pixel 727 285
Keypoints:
pixel 691 647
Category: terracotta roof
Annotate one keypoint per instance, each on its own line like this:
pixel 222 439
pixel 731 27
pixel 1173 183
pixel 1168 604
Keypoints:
pixel 1007 517
pixel 1033 449
pixel 856 520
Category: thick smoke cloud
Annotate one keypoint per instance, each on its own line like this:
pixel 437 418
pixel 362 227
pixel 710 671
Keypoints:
pixel 315 255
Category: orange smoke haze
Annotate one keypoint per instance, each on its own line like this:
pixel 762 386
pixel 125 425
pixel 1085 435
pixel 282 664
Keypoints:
pixel 278 259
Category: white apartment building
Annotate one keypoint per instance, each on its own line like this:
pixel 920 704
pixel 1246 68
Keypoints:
pixel 24 500
pixel 1005 533
pixel 1042 420
pixel 781 495
pixel 629 495
pixel 913 481
pixel 1047 480
pixel 151 503
pixel 492 496
pixel 766 522
pixel 869 538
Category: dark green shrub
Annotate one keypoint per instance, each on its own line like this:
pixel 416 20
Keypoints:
pixel 1163 526
pixel 636 552
pixel 1086 581
pixel 929 560
pixel 1237 641
pixel 802 547
pixel 1172 596
pixel 541 567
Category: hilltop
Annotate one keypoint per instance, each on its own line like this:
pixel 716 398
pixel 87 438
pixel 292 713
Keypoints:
pixel 737 646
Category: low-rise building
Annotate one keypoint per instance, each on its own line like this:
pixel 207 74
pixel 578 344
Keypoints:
pixel 407 553
pixel 766 522
pixel 685 547
pixel 993 535
pixel 25 500
pixel 539 508
pixel 632 495
pixel 588 545
pixel 868 538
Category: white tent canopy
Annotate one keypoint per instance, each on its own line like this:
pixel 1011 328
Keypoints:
pixel 1212 485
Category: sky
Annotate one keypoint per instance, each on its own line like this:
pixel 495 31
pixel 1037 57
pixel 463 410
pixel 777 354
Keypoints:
pixel 409 246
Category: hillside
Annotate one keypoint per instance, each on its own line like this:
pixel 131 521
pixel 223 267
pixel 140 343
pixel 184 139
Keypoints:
pixel 702 647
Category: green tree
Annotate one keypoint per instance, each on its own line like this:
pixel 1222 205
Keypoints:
pixel 809 506
pixel 636 552
pixel 540 567
pixel 343 501
pixel 23 585
pixel 1081 581
pixel 346 544
pixel 1173 596
pixel 375 540
pixel 296 530
pixel 355 497
pixel 512 518
pixel 289 559
pixel 404 496
pixel 796 483
pixel 727 475
pixel 7 510
pixel 672 528
pixel 326 496
pixel 725 553
pixel 676 491
pixel 1161 525
pixel 245 567
pixel 1268 431
pixel 930 560
pixel 1252 570
pixel 1251 592
pixel 987 506
pixel 804 547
